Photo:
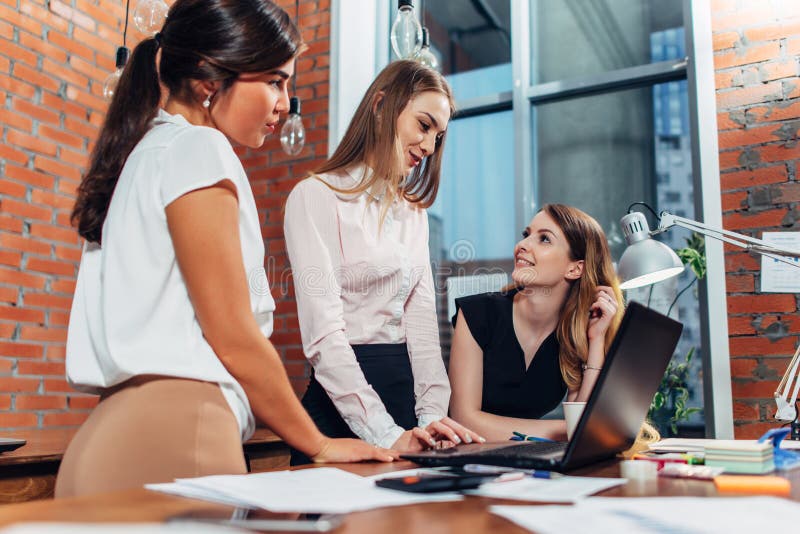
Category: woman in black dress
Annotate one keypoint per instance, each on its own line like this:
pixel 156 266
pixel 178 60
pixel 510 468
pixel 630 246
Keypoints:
pixel 516 353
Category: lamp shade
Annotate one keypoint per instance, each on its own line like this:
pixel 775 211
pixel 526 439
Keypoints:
pixel 645 261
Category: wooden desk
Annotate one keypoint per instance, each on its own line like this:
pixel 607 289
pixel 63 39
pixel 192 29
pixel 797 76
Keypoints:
pixel 466 516
pixel 29 472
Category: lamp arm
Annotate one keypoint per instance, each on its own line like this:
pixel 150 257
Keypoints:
pixel 789 387
pixel 790 382
pixel 789 256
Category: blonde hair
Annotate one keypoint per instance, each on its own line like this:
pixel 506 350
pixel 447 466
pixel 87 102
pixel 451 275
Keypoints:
pixel 647 435
pixel 587 242
pixel 371 137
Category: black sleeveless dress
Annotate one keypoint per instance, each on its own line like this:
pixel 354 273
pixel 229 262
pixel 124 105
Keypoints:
pixel 509 389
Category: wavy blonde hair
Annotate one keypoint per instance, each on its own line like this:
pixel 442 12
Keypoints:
pixel 371 137
pixel 587 242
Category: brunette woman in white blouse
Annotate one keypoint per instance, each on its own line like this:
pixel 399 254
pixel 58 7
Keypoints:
pixel 164 325
pixel 357 238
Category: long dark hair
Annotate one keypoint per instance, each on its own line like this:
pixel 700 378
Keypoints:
pixel 202 40
pixel 370 139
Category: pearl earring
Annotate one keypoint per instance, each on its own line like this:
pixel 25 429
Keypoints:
pixel 207 102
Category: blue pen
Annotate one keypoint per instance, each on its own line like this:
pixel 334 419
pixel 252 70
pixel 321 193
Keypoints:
pixel 499 470
pixel 519 436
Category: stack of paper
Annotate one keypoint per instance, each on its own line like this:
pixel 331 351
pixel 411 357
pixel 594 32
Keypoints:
pixel 324 490
pixel 699 445
pixel 741 456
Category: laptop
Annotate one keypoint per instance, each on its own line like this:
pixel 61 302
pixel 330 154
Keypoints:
pixel 616 409
pixel 10 444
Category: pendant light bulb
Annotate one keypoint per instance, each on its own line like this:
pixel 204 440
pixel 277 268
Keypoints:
pixel 149 15
pixel 293 135
pixel 406 34
pixel 425 54
pixel 110 84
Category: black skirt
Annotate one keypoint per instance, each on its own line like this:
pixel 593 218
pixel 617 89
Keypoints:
pixel 387 369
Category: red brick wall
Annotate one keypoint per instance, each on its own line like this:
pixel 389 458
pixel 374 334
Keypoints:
pixel 757 62
pixel 273 174
pixel 54 57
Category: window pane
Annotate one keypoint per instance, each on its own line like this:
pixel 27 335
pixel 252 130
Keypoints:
pixel 604 35
pixel 472 228
pixel 481 82
pixel 603 152
pixel 467 34
pixel 472 41
pixel 473 216
pixel 597 153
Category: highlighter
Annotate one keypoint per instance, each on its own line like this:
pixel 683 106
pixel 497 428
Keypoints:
pixel 770 485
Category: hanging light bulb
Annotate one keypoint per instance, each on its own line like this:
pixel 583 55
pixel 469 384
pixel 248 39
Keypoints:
pixel 425 54
pixel 406 32
pixel 110 85
pixel 293 135
pixel 149 15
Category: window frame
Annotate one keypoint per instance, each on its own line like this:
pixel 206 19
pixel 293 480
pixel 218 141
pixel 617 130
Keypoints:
pixel 349 79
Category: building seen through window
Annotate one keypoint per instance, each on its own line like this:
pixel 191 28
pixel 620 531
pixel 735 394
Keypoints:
pixel 604 133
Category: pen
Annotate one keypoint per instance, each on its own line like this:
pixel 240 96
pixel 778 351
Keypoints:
pixel 499 470
pixel 519 436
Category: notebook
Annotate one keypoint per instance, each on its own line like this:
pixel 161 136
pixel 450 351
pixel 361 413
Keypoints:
pixel 615 410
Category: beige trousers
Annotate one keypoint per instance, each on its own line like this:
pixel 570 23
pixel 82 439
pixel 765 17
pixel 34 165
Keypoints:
pixel 152 429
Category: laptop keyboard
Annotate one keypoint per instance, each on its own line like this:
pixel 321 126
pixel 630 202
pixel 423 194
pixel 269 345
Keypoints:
pixel 523 450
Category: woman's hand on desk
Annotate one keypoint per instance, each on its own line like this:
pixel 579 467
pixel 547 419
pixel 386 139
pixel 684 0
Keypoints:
pixel 440 434
pixel 352 450
pixel 414 440
pixel 447 429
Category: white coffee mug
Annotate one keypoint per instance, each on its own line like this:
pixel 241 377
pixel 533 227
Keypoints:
pixel 572 413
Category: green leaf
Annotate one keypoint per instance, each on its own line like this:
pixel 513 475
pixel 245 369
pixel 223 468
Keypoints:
pixel 658 400
pixel 669 405
pixel 694 255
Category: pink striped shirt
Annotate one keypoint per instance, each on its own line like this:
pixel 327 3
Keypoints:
pixel 354 285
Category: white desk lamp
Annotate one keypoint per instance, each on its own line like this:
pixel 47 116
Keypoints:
pixel 647 261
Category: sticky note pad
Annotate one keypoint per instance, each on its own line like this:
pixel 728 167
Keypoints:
pixel 771 485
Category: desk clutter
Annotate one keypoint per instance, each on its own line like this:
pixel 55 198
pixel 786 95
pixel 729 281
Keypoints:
pixel 742 456
pixel 328 490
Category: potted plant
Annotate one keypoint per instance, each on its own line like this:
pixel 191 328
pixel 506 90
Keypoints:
pixel 669 403
pixel 669 406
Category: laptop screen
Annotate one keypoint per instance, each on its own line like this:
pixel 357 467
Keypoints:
pixel 633 369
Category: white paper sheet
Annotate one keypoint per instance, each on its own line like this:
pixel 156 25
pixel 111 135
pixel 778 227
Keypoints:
pixel 184 490
pixel 325 490
pixel 658 515
pixel 777 276
pixel 790 444
pixel 564 489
